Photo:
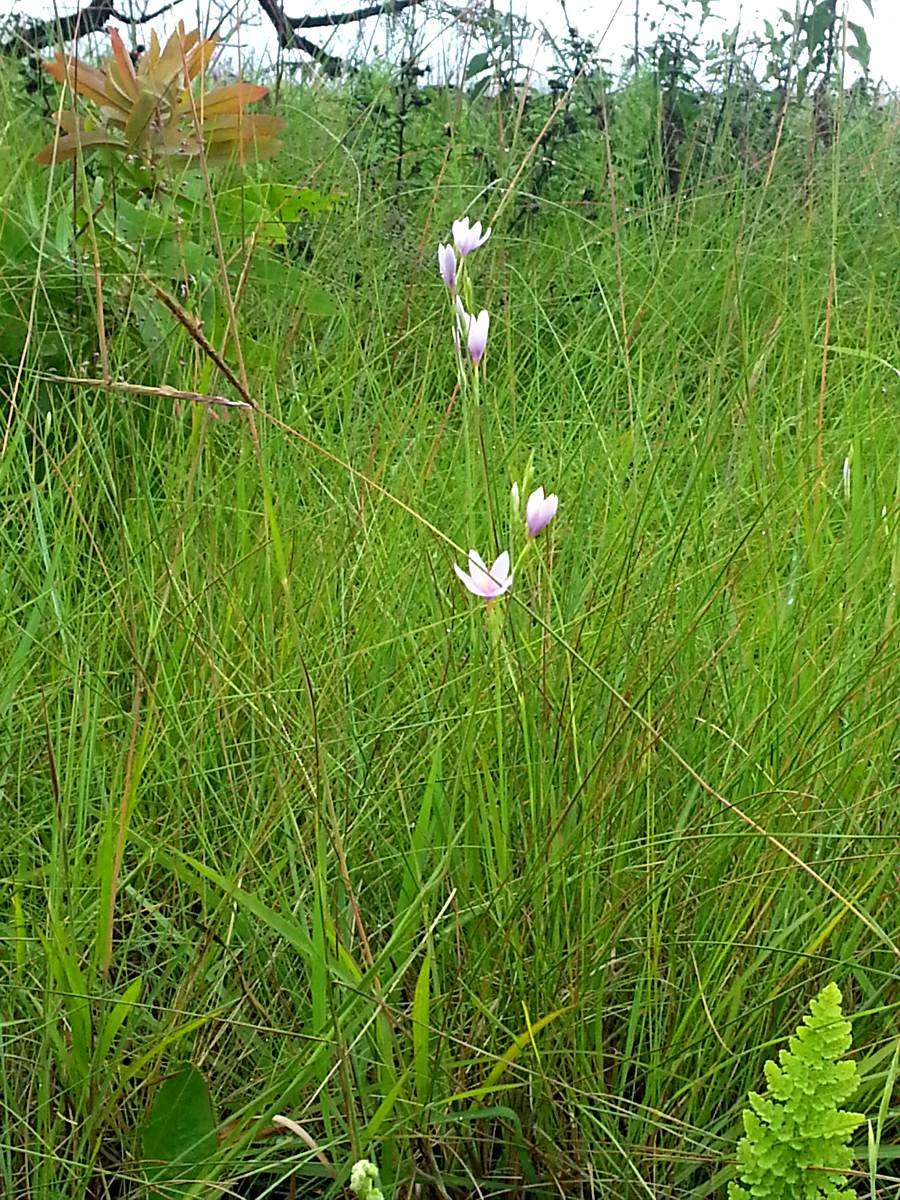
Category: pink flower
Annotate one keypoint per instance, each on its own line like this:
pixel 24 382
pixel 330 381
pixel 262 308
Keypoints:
pixel 478 335
pixel 468 239
pixel 539 511
pixel 489 584
pixel 447 266
pixel 475 329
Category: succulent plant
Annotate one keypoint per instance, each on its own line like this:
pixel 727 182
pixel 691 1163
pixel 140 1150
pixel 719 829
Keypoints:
pixel 159 108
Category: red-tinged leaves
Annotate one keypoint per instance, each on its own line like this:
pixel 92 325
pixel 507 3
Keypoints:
pixel 122 59
pixel 153 110
pixel 115 89
pixel 139 118
pixel 229 99
pixel 199 59
pixel 241 152
pixel 67 147
pixel 70 122
pixel 82 79
pixel 240 127
pixel 57 68
pixel 171 62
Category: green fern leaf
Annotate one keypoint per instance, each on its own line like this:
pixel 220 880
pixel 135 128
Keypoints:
pixel 795 1142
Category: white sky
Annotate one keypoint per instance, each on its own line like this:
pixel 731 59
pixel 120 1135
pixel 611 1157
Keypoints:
pixel 614 19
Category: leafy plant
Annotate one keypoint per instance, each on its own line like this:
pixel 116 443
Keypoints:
pixel 796 1140
pixel 150 110
pixel 180 1135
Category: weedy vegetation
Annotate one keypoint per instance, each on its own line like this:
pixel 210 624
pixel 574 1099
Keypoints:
pixel 324 874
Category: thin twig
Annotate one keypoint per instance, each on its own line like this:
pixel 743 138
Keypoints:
pixel 143 389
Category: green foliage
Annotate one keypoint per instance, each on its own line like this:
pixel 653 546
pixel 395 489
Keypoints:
pixel 474 899
pixel 180 1135
pixel 796 1140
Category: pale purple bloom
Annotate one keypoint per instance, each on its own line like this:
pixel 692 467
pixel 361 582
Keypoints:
pixel 478 335
pixel 474 328
pixel 489 584
pixel 539 511
pixel 468 239
pixel 447 266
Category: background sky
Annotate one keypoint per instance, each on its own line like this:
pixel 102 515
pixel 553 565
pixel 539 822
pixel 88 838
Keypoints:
pixel 613 19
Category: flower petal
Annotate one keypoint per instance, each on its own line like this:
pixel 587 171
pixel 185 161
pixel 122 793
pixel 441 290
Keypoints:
pixel 500 569
pixel 535 500
pixel 465 580
pixel 447 265
pixel 478 335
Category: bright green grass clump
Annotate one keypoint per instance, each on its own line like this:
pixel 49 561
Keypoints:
pixel 510 905
pixel 797 1135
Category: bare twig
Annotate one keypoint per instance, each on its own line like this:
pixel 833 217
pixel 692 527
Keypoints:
pixel 90 19
pixel 289 38
pixel 388 8
pixel 141 389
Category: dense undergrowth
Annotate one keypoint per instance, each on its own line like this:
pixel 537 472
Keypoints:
pixel 519 912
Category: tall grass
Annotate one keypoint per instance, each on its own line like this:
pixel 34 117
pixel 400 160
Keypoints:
pixel 518 916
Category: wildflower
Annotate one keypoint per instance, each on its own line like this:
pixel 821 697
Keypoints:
pixel 539 511
pixel 514 498
pixel 475 329
pixel 478 335
pixel 489 584
pixel 468 239
pixel 447 266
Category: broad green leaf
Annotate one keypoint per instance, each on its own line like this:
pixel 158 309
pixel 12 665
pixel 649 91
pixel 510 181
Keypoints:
pixel 477 64
pixel 137 225
pixel 179 1138
pixel 307 294
pixel 240 217
pixel 818 23
pixel 317 302
pixel 862 51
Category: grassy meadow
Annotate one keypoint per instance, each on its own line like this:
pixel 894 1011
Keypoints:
pixel 514 900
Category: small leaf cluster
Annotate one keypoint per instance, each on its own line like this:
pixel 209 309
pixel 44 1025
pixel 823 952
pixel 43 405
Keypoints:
pixel 796 1136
